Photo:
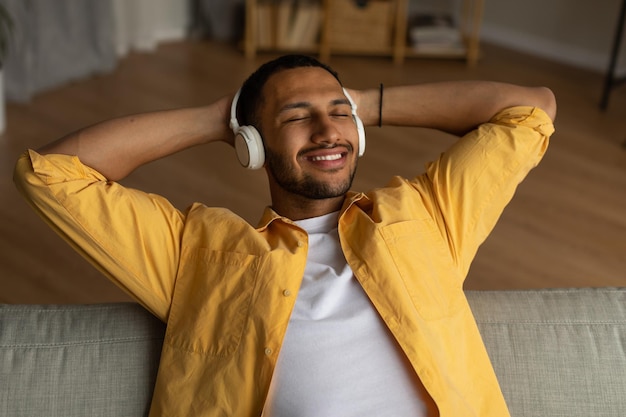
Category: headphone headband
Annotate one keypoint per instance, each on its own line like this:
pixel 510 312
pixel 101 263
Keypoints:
pixel 234 124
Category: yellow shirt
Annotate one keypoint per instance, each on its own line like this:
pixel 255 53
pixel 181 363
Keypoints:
pixel 226 289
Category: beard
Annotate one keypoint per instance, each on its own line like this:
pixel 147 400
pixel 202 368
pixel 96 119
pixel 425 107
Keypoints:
pixel 305 185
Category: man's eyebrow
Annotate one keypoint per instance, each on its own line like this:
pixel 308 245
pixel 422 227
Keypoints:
pixel 306 104
pixel 341 101
pixel 296 105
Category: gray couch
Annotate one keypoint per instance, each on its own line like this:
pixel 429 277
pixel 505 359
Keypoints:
pixel 557 353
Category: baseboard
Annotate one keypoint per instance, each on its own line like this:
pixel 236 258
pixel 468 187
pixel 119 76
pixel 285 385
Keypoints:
pixel 150 42
pixel 547 48
pixel 170 34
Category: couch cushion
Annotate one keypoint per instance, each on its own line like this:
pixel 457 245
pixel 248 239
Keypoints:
pixel 557 353
pixel 96 360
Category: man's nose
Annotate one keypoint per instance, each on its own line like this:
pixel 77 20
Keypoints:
pixel 325 131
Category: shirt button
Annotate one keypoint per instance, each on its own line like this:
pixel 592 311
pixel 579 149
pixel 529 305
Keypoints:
pixel 286 293
pixel 300 244
pixel 268 351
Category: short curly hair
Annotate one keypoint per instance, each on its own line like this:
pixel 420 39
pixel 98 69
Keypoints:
pixel 250 95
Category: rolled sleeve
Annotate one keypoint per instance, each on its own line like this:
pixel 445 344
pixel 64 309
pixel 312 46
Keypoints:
pixel 476 178
pixel 131 236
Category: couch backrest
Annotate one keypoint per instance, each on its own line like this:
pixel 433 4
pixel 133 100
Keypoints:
pixel 557 353
pixel 77 360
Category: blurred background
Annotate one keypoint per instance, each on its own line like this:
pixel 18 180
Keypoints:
pixel 72 63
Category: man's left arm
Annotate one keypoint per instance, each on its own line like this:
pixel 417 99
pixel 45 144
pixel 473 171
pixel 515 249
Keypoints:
pixel 455 107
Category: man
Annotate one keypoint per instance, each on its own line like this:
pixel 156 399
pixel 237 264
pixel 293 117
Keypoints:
pixel 338 303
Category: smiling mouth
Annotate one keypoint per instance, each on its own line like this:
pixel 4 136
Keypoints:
pixel 326 157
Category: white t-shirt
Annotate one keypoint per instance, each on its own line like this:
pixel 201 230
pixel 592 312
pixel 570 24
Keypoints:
pixel 338 357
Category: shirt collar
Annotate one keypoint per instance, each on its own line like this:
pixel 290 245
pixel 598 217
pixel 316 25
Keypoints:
pixel 269 215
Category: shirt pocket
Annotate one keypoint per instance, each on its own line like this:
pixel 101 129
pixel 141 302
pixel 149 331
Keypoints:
pixel 420 258
pixel 211 302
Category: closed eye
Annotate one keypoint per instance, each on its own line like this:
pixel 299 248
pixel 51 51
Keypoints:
pixel 296 119
pixel 340 111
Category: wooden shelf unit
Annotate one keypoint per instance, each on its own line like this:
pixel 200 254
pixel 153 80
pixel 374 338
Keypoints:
pixel 378 29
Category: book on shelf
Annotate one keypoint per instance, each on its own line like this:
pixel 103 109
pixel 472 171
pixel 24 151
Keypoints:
pixel 264 30
pixel 305 25
pixel 288 24
pixel 284 16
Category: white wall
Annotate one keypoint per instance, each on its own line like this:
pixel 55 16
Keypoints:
pixel 576 32
pixel 142 24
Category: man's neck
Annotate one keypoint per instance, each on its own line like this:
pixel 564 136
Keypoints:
pixel 299 208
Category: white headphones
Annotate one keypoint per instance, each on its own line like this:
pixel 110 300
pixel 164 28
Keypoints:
pixel 249 144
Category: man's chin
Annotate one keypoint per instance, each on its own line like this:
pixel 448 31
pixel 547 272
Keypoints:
pixel 321 191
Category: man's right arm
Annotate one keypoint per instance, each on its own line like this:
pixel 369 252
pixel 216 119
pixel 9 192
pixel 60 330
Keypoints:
pixel 117 147
pixel 131 236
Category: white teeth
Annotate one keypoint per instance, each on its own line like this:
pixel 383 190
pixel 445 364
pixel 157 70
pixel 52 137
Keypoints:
pixel 326 157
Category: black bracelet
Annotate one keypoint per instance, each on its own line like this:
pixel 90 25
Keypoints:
pixel 380 107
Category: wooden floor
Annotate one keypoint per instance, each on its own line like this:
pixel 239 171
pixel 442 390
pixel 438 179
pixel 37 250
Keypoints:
pixel 566 227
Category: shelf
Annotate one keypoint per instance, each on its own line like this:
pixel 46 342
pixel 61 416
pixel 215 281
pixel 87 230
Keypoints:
pixel 341 27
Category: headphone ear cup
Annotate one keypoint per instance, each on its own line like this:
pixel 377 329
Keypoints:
pixel 249 147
